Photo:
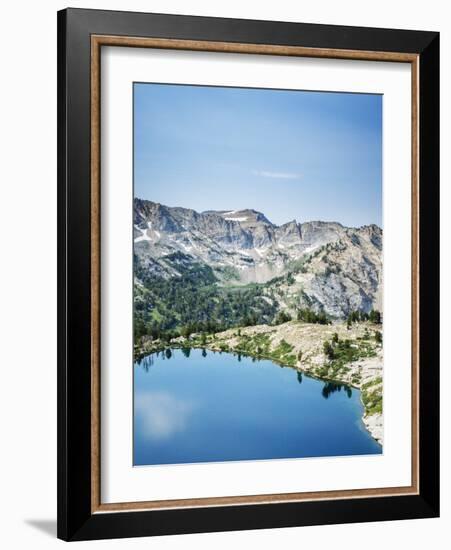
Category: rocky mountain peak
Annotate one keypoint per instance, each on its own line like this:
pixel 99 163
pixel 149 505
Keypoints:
pixel 245 217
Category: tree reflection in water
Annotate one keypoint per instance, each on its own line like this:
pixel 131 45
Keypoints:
pixel 332 387
pixel 146 362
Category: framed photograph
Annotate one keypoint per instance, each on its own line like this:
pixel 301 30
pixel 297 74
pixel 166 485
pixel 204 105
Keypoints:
pixel 248 274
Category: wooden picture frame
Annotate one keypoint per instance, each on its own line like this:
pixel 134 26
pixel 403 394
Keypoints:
pixel 81 35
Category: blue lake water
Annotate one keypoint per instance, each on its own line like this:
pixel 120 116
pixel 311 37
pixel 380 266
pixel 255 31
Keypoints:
pixel 201 406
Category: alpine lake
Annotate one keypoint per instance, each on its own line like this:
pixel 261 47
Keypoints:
pixel 196 405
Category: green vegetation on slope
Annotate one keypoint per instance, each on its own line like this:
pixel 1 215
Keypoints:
pixel 339 353
pixel 193 302
pixel 259 345
pixel 372 396
pixel 197 302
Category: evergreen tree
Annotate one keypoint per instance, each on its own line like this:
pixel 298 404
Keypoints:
pixel 375 316
pixel 328 350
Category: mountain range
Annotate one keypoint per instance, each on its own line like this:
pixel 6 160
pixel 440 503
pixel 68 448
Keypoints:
pixel 320 265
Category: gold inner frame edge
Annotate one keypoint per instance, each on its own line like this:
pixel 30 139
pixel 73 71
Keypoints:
pixel 97 41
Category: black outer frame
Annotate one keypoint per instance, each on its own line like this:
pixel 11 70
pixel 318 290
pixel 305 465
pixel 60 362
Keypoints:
pixel 75 520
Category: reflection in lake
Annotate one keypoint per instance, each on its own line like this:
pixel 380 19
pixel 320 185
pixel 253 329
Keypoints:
pixel 331 387
pixel 191 405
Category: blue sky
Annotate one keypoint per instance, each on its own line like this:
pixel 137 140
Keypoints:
pixel 289 154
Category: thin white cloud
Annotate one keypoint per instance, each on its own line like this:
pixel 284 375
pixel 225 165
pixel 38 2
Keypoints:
pixel 277 175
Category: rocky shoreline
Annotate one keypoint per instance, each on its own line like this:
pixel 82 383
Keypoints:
pixel 352 355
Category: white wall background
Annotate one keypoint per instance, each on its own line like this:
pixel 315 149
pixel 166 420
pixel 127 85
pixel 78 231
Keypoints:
pixel 28 274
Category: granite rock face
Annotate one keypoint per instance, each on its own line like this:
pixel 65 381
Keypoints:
pixel 324 266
